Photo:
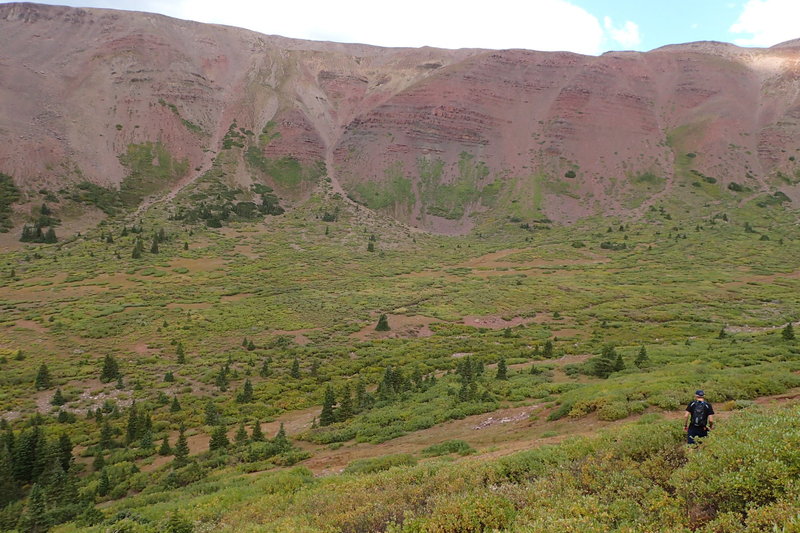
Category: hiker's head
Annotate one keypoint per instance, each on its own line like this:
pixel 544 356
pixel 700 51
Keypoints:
pixel 699 395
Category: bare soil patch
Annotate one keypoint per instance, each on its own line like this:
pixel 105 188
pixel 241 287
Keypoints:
pixel 401 326
pixel 496 322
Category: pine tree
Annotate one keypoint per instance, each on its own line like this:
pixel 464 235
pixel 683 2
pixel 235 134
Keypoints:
pixel 788 332
pixel 642 360
pixel 502 369
pixel 50 236
pixel 58 398
pixel 241 434
pixel 175 406
pixel 212 414
pixel 295 371
pixel 246 396
pixel 42 378
pixel 24 454
pixel 361 395
pixel 604 364
pixel 65 451
pixel 154 246
pixel 104 485
pixel 110 370
pixel 99 462
pixel 383 323
pixel 106 436
pixel 619 364
pixel 281 442
pixel 178 524
pixel 165 449
pixel 35 519
pixel 328 414
pixel 9 488
pixel 345 410
pixel 133 430
pixel 547 350
pixel 219 439
pixel 181 450
pixel 257 435
pixel 265 370
pixel 179 351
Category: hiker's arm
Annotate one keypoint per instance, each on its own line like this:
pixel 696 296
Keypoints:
pixel 711 421
pixel 686 419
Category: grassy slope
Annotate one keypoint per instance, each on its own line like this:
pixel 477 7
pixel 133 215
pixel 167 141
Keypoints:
pixel 678 282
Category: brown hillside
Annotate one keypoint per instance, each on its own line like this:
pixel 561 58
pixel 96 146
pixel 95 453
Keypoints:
pixel 418 133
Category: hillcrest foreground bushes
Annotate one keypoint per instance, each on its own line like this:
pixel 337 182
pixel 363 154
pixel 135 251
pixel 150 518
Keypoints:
pixel 640 477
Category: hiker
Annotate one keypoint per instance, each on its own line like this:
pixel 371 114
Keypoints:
pixel 699 417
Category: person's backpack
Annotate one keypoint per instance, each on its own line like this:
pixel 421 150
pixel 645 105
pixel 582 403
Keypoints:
pixel 699 412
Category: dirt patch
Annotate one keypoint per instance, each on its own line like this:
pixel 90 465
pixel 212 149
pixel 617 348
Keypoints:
pixel 567 333
pixel 755 329
pixel 31 325
pixel 400 326
pixel 246 250
pixel 236 297
pixel 496 322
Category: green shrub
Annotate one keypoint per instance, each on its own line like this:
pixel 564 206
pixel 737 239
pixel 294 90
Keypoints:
pixel 449 446
pixel 377 464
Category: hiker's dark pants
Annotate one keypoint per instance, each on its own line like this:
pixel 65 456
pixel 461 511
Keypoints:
pixel 695 432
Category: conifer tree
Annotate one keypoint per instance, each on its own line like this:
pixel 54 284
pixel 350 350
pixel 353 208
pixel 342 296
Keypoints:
pixel 345 410
pixel 179 351
pixel 9 488
pixel 110 370
pixel 165 449
pixel 65 451
pixel 219 439
pixel 104 485
pixel 175 406
pixel 154 246
pixel 788 332
pixel 642 360
pixel 619 364
pixel 265 370
pixel 605 363
pixel 241 434
pixel 106 436
pixel 295 370
pixel 383 323
pixel 35 519
pixel 246 396
pixel 24 454
pixel 212 414
pixel 547 350
pixel 281 442
pixel 181 450
pixel 328 414
pixel 361 394
pixel 43 378
pixel 257 435
pixel 50 236
pixel 58 398
pixel 502 369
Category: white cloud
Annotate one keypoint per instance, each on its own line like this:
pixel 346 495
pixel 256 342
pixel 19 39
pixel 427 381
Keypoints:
pixel 627 35
pixel 532 24
pixel 767 22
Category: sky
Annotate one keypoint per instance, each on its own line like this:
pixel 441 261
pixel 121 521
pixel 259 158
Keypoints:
pixel 582 26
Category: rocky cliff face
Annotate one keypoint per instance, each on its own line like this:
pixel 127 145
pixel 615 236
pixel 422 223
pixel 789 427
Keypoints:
pixel 433 137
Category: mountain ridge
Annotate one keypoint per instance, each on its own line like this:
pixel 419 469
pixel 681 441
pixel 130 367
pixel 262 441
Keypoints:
pixel 436 138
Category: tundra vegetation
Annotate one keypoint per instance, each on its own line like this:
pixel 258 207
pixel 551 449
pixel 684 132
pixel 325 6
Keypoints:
pixel 196 367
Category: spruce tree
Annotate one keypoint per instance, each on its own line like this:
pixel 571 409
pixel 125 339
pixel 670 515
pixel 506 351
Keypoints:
pixel 281 442
pixel 361 395
pixel 219 439
pixel 257 435
pixel 295 370
pixel 110 370
pixel 212 414
pixel 788 332
pixel 547 350
pixel 619 364
pixel 99 462
pixel 9 488
pixel 265 370
pixel 246 396
pixel 502 369
pixel 165 449
pixel 179 351
pixel 24 454
pixel 42 378
pixel 35 519
pixel 65 451
pixel 58 398
pixel 106 436
pixel 642 360
pixel 241 436
pixel 104 485
pixel 345 410
pixel 383 323
pixel 50 236
pixel 154 246
pixel 604 364
pixel 181 450
pixel 175 406
pixel 328 414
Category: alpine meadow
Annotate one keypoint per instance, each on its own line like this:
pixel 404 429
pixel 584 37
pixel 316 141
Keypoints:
pixel 258 284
